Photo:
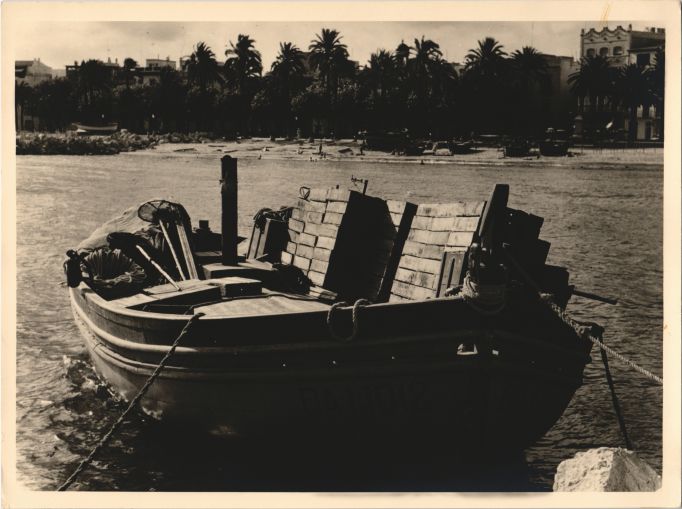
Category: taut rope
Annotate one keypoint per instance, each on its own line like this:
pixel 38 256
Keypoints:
pixel 103 441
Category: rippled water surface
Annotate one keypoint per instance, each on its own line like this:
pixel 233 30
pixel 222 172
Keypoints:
pixel 605 225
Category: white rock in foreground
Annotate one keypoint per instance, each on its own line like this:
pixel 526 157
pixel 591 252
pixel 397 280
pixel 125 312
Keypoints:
pixel 606 469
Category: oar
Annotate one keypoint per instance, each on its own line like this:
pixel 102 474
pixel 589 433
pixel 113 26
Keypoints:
pixel 158 267
pixel 152 214
pixel 172 249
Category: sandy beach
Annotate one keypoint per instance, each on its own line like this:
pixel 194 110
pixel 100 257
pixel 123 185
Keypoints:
pixel 349 150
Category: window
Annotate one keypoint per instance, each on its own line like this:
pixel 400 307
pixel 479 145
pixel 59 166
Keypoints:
pixel 643 59
pixel 645 111
pixel 603 52
pixel 590 52
pixel 618 50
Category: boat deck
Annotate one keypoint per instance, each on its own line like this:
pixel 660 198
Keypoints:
pixel 210 297
pixel 268 303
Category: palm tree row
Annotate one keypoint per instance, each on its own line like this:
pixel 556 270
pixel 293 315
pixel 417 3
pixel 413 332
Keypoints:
pixel 322 92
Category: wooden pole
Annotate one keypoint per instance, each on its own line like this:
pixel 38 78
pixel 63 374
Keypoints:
pixel 228 192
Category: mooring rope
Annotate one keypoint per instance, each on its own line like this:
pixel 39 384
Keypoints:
pixel 580 330
pixel 583 332
pixel 614 397
pixel 360 303
pixel 103 441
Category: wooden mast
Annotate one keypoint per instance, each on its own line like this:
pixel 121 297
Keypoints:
pixel 228 192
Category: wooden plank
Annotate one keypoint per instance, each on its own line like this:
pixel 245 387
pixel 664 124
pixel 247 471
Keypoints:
pixel 465 224
pixel 411 292
pixel 420 264
pixel 452 270
pixel 305 251
pixel 427 237
pixel 332 218
pixel 319 266
pixel 293 236
pixel 302 263
pixel 321 254
pixel 339 194
pixel 291 247
pixel 339 207
pixel 434 224
pixel 312 206
pixel 186 248
pixel 461 239
pixel 423 250
pixel 474 208
pixel 322 230
pixel 396 218
pixel 297 213
pixel 313 217
pixel 412 277
pixel 441 209
pixel 296 225
pixel 325 242
pixel 307 240
pixel 395 206
pixel 316 277
pixel 287 258
pixel 318 194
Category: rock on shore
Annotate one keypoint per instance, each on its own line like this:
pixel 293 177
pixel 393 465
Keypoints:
pixel 606 469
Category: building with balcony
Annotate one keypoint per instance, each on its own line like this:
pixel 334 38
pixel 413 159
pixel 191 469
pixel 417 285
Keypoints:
pixel 621 47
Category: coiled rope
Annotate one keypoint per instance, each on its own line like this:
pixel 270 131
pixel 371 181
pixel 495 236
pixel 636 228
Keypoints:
pixel 103 441
pixel 360 303
pixel 487 299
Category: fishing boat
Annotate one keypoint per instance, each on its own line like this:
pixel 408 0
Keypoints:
pixel 87 130
pixel 351 317
pixel 516 148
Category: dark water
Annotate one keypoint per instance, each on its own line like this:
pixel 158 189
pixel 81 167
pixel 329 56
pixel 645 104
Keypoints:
pixel 605 225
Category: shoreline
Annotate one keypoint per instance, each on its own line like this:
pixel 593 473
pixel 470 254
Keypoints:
pixel 349 151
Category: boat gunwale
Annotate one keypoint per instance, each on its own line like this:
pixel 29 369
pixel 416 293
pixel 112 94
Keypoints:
pixel 420 366
pixel 323 344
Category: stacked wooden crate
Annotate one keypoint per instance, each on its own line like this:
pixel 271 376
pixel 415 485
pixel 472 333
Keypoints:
pixel 521 239
pixel 437 230
pixel 348 242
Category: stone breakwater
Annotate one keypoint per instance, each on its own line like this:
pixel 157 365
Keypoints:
pixel 121 141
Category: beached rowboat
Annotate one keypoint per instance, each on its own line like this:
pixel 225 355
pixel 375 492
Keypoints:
pixel 449 344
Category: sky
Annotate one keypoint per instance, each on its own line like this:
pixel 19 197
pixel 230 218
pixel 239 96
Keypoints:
pixel 78 41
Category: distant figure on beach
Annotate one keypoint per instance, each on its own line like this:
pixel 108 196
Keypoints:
pixel 320 150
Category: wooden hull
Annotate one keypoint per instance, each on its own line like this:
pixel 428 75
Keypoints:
pixel 402 377
pixel 102 129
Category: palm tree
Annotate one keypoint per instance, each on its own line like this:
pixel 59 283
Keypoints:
pixel 487 59
pixel 202 67
pixel 634 86
pixel 329 56
pixel 530 84
pixel 426 56
pixel 129 66
pixel 243 63
pixel 381 73
pixel 593 81
pixel 286 70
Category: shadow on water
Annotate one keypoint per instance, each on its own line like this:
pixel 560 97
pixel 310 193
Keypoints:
pixel 165 458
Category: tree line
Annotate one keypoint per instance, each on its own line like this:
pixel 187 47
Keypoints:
pixel 322 92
